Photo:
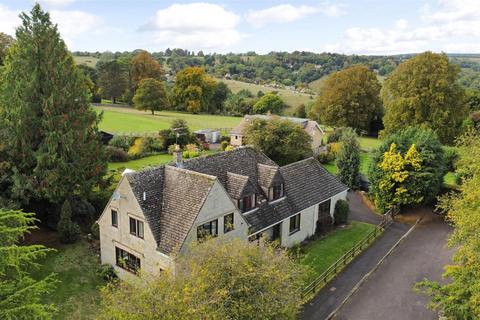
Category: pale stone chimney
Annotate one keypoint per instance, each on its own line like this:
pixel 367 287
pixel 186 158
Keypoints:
pixel 177 156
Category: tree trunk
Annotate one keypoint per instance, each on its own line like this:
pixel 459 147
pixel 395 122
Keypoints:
pixel 153 112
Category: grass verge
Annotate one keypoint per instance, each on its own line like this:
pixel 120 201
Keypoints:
pixel 322 253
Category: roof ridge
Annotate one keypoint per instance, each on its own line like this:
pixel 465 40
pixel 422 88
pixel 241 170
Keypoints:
pixel 192 172
pixel 299 161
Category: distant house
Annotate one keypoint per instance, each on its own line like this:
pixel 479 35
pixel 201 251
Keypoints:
pixel 237 135
pixel 208 135
pixel 105 137
pixel 155 214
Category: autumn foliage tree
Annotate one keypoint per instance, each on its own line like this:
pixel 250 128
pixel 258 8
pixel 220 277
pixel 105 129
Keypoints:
pixel 150 95
pixel 407 169
pixel 349 98
pixel 142 66
pixel 424 91
pixel 193 90
pixel 50 142
pixel 217 279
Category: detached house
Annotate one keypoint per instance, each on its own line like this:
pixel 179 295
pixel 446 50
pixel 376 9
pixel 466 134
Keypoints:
pixel 311 127
pixel 155 214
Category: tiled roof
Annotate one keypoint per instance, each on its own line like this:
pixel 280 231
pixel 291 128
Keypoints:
pixel 174 196
pixel 170 207
pixel 308 183
pixel 268 175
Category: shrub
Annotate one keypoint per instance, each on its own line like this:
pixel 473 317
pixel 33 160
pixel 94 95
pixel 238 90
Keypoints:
pixel 151 144
pixel 68 230
pixel 224 145
pixel 190 154
pixel 191 147
pixel 95 230
pixel 340 214
pixel 229 148
pixel 136 150
pixel 450 155
pixel 107 272
pixel 171 148
pixel 326 157
pixel 334 147
pixel 335 135
pixel 122 142
pixel 116 154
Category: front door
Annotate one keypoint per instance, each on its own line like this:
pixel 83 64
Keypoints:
pixel 276 232
pixel 324 221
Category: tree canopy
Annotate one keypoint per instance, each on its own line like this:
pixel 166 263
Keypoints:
pixel 142 66
pixel 407 169
pixel 424 91
pixel 112 79
pixel 459 297
pixel 20 295
pixel 193 90
pixel 6 42
pixel 349 98
pixel 348 158
pixel 269 103
pixel 50 143
pixel 150 95
pixel 281 140
pixel 218 279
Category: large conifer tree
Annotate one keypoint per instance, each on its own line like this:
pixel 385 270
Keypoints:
pixel 50 144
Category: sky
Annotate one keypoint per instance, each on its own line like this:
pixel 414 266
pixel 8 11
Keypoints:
pixel 349 26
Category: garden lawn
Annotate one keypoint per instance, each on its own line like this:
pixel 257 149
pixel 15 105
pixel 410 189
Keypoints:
pixel 129 120
pixel 77 296
pixel 322 253
pixel 141 163
pixel 368 143
pixel 365 160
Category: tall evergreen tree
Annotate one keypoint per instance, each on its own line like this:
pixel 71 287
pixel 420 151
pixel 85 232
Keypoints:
pixel 348 159
pixel 50 144
pixel 20 295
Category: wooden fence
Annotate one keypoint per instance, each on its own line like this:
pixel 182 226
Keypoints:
pixel 338 265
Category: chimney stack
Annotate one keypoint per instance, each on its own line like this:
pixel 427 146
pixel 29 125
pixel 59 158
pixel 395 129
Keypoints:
pixel 177 156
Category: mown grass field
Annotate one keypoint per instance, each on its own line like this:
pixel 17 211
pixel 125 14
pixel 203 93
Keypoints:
pixel 120 119
pixel 291 98
pixel 77 296
pixel 89 61
pixel 320 254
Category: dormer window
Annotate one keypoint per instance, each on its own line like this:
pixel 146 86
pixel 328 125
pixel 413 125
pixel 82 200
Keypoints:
pixel 247 203
pixel 275 192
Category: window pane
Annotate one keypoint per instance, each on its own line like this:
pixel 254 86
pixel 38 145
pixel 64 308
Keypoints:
pixel 133 226
pixel 140 229
pixel 114 218
pixel 228 223
pixel 295 223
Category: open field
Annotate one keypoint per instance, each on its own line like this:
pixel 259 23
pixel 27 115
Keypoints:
pixel 121 119
pixel 322 253
pixel 77 295
pixel 89 61
pixel 291 98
